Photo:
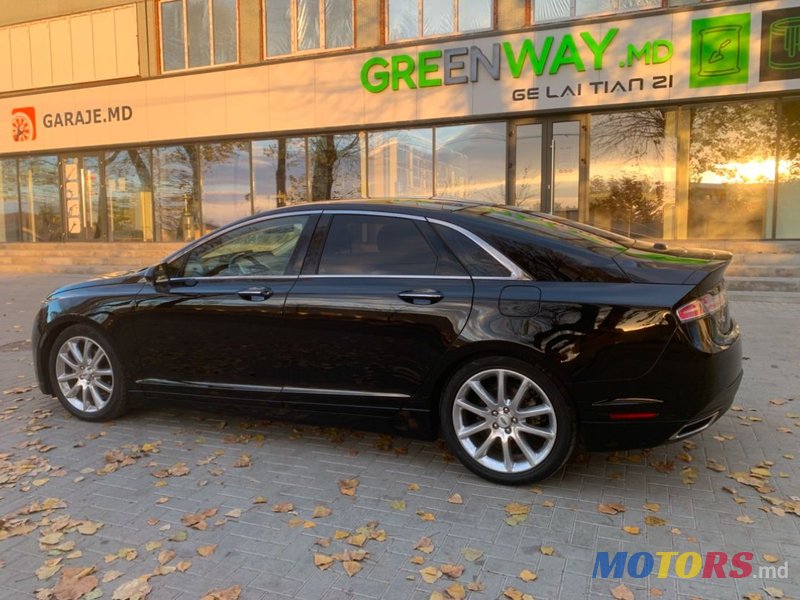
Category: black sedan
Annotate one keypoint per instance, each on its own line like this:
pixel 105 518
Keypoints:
pixel 510 333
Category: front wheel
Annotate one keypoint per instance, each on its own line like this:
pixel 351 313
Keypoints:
pixel 507 421
pixel 86 375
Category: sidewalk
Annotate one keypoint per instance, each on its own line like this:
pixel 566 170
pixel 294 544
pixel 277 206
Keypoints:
pixel 237 498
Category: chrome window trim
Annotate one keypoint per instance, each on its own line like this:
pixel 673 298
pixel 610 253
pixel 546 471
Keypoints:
pixel 231 277
pixel 374 276
pixel 516 272
pixel 372 213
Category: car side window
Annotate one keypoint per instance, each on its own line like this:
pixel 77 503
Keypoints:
pixel 374 245
pixel 263 248
pixel 478 261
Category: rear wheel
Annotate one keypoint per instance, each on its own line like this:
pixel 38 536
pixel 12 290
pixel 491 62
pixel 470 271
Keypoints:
pixel 86 374
pixel 507 420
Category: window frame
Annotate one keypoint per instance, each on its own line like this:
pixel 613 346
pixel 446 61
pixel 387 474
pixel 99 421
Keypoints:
pixel 420 23
pixel 185 15
pixel 530 10
pixel 293 39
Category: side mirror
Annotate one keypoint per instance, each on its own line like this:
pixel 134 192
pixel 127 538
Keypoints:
pixel 157 275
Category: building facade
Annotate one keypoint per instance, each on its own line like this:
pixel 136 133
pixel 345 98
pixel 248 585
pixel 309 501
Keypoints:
pixel 159 120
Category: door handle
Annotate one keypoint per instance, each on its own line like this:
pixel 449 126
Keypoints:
pixel 425 296
pixel 255 294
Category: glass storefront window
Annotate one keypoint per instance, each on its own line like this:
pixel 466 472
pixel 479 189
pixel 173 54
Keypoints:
pixel 176 182
pixel 336 165
pixel 549 10
pixel 439 17
pixel 632 172
pixel 401 163
pixel 302 25
pixel 9 201
pixel 226 182
pixel 129 194
pixel 279 173
pixel 731 170
pixel 787 217
pixel 40 199
pixel 471 162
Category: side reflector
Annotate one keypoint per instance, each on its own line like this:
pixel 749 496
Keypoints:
pixel 628 416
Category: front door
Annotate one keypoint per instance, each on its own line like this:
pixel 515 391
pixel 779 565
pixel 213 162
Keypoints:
pixel 548 165
pixel 86 216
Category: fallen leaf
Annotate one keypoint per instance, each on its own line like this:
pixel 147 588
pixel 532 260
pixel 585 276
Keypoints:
pixel 456 591
pixel 243 461
pixel 651 506
pixel 259 500
pixel 179 536
pixel 622 592
pixel 656 593
pixel 745 519
pixel 515 508
pixel 150 546
pixel 452 571
pixel 357 540
pixel 612 508
pixel 322 561
pixel 416 560
pixel 348 487
pixel 397 505
pixel 321 512
pixel 426 516
pixel 231 593
pixel 655 521
pixel 165 556
pixel 455 499
pixel 632 529
pixel 351 567
pixel 48 569
pixel 770 558
pixel 413 487
pixel 283 508
pixel 547 550
pixel 89 527
pixel 753 596
pixel 111 576
pixel 425 544
pixel 774 592
pixel 75 582
pixel 207 550
pixel 475 586
pixel 515 594
pixel 340 534
pixel 183 565
pixel 527 575
pixel 430 574
pixel 471 554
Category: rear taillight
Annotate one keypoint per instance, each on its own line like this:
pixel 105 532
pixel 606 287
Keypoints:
pixel 705 305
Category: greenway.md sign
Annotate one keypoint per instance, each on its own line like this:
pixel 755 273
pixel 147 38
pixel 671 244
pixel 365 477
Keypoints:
pixel 628 57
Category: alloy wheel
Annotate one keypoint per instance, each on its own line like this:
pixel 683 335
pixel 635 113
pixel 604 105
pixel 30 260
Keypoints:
pixel 504 421
pixel 84 374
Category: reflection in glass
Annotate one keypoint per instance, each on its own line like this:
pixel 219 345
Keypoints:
pixel 632 172
pixel 548 10
pixel 474 15
pixel 9 201
pixel 279 27
pixel 87 218
pixel 338 23
pixel 437 17
pixel 566 169
pixel 226 182
pixel 225 41
pixel 335 162
pixel 529 166
pixel 307 24
pixel 40 199
pixel 401 163
pixel 731 170
pixel 788 213
pixel 403 19
pixel 470 162
pixel 279 173
pixel 129 194
pixel 176 176
pixel 199 38
pixel 172 45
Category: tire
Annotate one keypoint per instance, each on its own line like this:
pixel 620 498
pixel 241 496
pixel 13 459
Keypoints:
pixel 492 442
pixel 87 376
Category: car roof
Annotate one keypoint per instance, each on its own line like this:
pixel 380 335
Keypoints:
pixel 415 206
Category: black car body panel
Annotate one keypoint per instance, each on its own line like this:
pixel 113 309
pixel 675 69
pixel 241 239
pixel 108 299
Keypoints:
pixel 595 310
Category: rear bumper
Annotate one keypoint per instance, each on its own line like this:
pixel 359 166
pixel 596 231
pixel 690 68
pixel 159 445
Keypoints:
pixel 700 392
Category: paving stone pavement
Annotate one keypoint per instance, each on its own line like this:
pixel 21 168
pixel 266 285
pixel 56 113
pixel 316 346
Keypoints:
pixel 44 453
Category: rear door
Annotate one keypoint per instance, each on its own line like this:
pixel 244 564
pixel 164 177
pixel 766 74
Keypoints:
pixel 380 300
pixel 215 328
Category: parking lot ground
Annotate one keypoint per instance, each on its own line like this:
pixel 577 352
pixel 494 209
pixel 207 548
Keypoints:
pixel 185 502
